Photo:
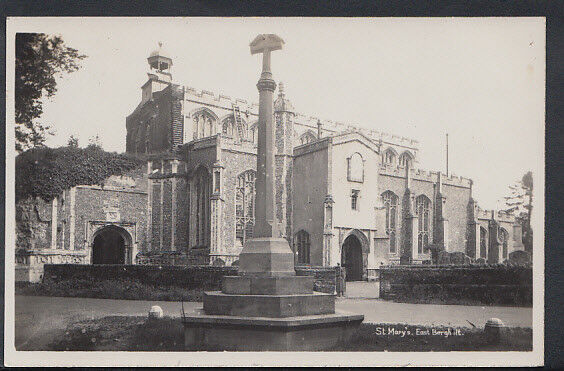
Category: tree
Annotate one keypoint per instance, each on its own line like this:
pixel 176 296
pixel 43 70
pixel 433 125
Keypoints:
pixel 73 141
pixel 40 59
pixel 520 203
pixel 94 142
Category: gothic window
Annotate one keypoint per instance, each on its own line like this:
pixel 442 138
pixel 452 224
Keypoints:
pixel 204 124
pixel 389 156
pixel 203 186
pixel 504 236
pixel 307 137
pixel 406 159
pixel 423 210
pixel 354 199
pixel 254 133
pixel 228 127
pixel 355 168
pixel 483 243
pixel 302 244
pixel 391 202
pixel 245 206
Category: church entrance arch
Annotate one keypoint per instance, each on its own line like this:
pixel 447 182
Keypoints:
pixel 111 245
pixel 351 258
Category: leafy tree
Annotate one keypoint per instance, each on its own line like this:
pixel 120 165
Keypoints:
pixel 520 203
pixel 72 142
pixel 95 142
pixel 40 59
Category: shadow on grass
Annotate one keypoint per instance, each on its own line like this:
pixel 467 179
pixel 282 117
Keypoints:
pixel 167 334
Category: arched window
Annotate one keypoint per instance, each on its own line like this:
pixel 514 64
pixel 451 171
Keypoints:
pixel 483 243
pixel 302 246
pixel 253 131
pixel 202 180
pixel 204 124
pixel 307 137
pixel 406 159
pixel 245 206
pixel 389 156
pixel 228 127
pixel 391 202
pixel 504 237
pixel 355 168
pixel 423 211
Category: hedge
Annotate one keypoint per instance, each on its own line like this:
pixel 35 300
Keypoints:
pixel 501 285
pixel 203 277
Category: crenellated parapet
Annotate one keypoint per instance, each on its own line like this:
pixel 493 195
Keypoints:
pixel 426 176
pixel 499 215
pixel 219 100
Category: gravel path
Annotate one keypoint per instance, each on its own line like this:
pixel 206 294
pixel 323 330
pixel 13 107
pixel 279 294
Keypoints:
pixel 38 318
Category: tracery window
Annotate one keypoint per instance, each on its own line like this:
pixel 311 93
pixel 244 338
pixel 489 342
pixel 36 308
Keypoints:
pixel 391 202
pixel 406 159
pixel 423 210
pixel 504 237
pixel 355 168
pixel 245 206
pixel 228 127
pixel 303 246
pixel 203 185
pixel 307 137
pixel 254 133
pixel 483 243
pixel 389 156
pixel 204 124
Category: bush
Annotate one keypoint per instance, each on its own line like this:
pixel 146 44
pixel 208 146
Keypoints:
pixel 491 285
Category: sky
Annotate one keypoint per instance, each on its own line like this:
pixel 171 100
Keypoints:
pixel 481 80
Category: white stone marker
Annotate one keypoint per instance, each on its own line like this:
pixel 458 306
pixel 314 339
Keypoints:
pixel 156 312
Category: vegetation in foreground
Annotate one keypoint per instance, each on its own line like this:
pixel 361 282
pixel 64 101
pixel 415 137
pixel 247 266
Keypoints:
pixel 108 289
pixel 166 334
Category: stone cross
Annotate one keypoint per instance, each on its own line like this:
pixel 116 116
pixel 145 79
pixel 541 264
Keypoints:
pixel 265 208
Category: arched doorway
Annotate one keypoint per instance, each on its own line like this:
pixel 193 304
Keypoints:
pixel 111 245
pixel 351 258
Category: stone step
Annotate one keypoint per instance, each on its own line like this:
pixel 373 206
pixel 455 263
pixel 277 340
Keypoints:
pixel 267 285
pixel 308 333
pixel 275 306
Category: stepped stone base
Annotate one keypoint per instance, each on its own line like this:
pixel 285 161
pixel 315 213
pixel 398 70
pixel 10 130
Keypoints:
pixel 304 333
pixel 218 303
pixel 267 285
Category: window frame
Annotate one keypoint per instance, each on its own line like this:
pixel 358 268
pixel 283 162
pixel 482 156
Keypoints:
pixel 391 202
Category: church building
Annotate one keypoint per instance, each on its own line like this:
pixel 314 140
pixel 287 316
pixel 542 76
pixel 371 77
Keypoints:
pixel 344 194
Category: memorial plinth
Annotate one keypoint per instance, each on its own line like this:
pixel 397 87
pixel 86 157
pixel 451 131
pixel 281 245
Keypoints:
pixel 267 307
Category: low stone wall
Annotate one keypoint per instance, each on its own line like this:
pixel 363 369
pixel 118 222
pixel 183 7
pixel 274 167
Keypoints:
pixel 490 285
pixel 191 277
pixel 326 278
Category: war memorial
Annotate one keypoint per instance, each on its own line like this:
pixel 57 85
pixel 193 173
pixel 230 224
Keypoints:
pixel 268 307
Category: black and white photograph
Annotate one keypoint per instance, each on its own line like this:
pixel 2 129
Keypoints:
pixel 207 191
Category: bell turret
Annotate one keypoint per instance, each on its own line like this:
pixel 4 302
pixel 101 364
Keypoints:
pixel 159 74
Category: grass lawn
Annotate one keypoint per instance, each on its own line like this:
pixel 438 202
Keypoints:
pixel 139 334
pixel 108 289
